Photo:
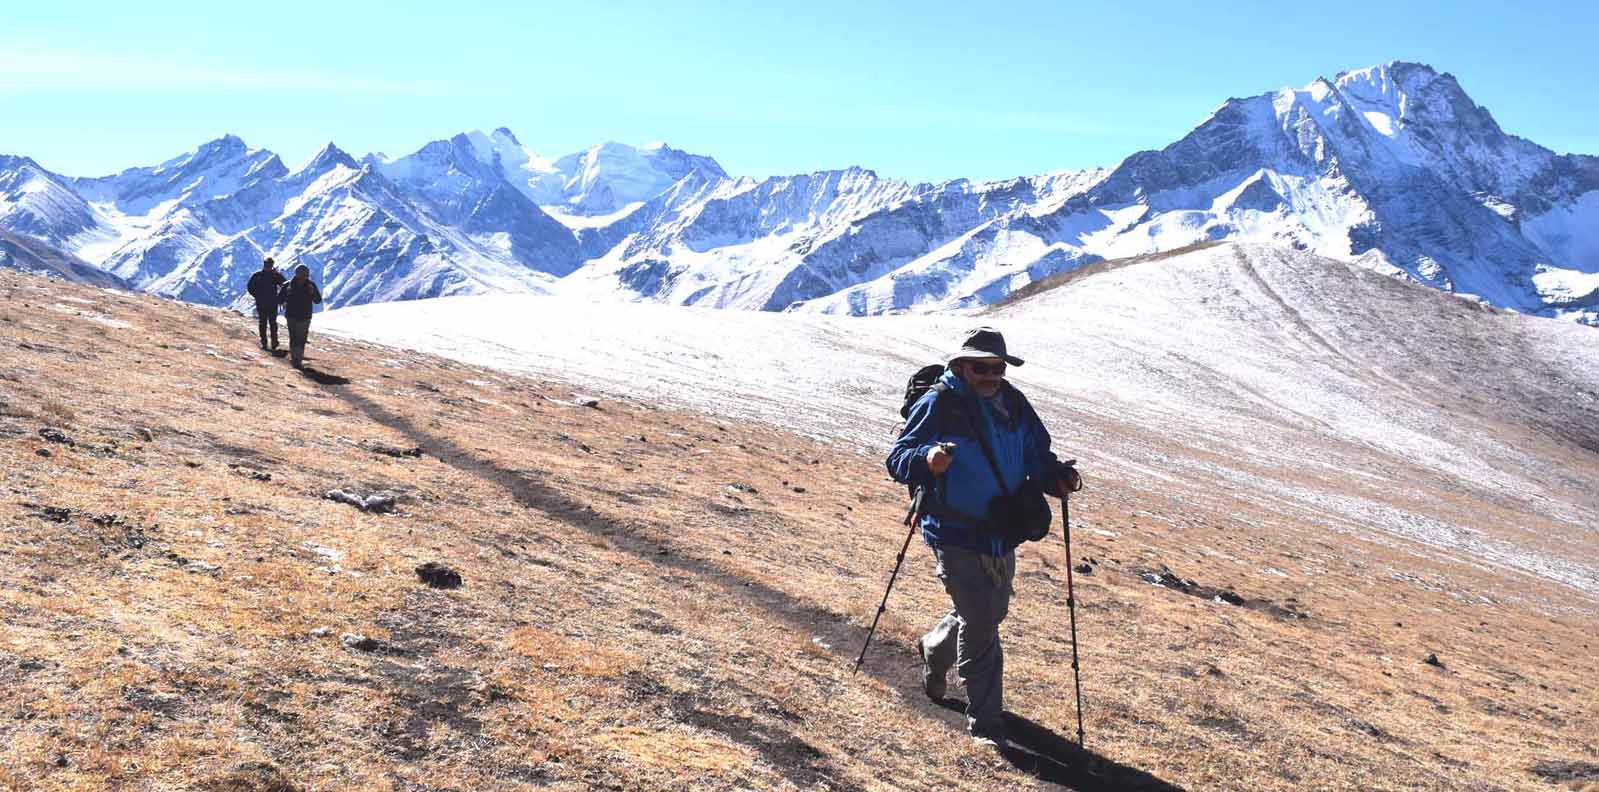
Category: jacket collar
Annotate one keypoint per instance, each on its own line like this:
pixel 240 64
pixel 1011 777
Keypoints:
pixel 955 384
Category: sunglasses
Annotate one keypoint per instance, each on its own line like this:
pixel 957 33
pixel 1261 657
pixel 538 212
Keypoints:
pixel 985 369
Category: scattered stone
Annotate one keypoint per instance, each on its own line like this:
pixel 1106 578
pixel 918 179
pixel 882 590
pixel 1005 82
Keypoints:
pixel 251 473
pixel 320 632
pixel 1228 598
pixel 340 496
pixel 1083 569
pixel 44 452
pixel 382 503
pixel 800 490
pixel 1432 660
pixel 1164 577
pixel 61 760
pixel 414 452
pixel 325 553
pixel 744 488
pixel 57 436
pixel 360 643
pixel 55 514
pixel 438 576
pixel 145 434
pixel 585 401
pixel 191 565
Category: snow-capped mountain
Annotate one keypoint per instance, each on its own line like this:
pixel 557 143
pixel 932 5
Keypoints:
pixel 40 204
pixel 599 181
pixel 1392 166
pixel 28 254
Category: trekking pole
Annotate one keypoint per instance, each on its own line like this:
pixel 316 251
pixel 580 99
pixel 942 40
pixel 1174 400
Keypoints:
pixel 1071 602
pixel 911 519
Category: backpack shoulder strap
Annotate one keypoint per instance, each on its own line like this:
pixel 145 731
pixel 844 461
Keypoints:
pixel 988 453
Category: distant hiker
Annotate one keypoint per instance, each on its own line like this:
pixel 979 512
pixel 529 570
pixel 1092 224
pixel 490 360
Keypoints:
pixel 297 297
pixel 263 286
pixel 981 455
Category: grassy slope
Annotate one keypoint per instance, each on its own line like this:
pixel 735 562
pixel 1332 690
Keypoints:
pixel 630 621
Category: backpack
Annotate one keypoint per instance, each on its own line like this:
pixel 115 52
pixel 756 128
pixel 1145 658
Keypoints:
pixel 924 380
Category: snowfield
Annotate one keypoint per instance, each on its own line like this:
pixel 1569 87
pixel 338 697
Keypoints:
pixel 1237 371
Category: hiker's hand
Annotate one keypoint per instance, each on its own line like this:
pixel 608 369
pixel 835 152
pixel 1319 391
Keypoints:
pixel 1069 480
pixel 939 459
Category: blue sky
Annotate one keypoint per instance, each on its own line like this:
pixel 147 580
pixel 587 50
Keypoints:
pixel 922 91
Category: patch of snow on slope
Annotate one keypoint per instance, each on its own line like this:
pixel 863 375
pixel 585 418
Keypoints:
pixel 1568 234
pixel 580 221
pixel 1564 284
pixel 1250 354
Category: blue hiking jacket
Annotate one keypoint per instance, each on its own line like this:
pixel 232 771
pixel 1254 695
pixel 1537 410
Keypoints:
pixel 1020 446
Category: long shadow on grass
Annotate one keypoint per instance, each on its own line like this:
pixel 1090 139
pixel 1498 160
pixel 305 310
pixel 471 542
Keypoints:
pixel 1040 752
pixel 1049 757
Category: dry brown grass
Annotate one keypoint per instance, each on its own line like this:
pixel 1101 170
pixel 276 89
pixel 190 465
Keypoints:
pixel 59 411
pixel 628 622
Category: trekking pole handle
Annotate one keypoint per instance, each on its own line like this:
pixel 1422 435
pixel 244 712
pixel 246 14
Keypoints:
pixel 1065 467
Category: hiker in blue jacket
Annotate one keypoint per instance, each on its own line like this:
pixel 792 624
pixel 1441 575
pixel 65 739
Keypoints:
pixel 975 557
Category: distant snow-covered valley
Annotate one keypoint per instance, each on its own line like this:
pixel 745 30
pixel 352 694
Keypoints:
pixel 1302 383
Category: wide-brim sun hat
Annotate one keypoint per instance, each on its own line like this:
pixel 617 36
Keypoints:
pixel 984 342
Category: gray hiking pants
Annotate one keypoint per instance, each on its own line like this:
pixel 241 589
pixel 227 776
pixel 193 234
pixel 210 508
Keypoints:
pixel 298 330
pixel 968 636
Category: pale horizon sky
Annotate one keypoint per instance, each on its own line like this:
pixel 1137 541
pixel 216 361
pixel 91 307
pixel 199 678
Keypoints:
pixel 918 91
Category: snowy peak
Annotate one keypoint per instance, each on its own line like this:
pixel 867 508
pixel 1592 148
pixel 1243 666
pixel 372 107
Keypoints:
pixel 213 170
pixel 612 175
pixel 506 134
pixel 597 181
pixel 327 158
pixel 39 203
pixel 1415 93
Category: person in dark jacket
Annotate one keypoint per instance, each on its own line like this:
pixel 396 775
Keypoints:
pixel 263 286
pixel 297 296
pixel 939 451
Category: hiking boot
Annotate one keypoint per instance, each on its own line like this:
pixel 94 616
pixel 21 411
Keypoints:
pixel 933 682
pixel 990 737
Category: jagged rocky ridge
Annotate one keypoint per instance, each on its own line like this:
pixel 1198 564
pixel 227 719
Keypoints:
pixel 1392 166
